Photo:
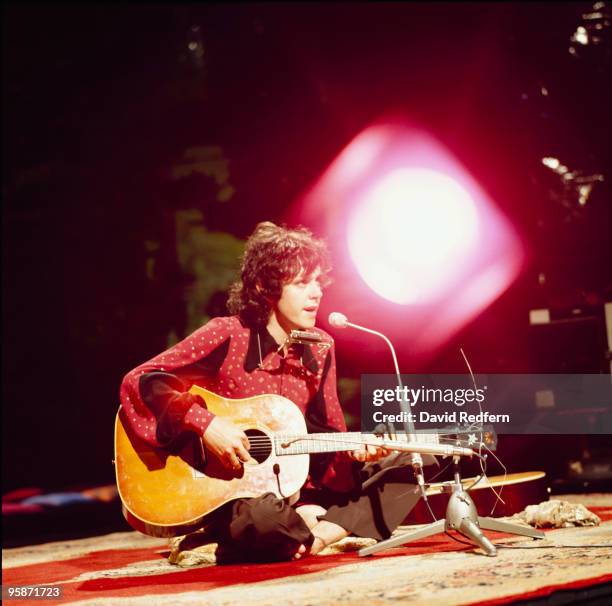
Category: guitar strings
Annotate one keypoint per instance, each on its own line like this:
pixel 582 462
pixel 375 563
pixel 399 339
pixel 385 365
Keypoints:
pixel 263 444
pixel 311 436
pixel 255 440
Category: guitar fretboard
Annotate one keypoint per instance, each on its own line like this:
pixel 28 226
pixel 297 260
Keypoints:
pixel 313 443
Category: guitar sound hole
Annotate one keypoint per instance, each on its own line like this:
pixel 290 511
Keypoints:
pixel 261 445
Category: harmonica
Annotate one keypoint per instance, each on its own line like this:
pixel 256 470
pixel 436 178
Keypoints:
pixel 306 337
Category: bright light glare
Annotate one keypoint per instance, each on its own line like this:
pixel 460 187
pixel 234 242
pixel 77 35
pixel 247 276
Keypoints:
pixel 411 233
pixel 421 248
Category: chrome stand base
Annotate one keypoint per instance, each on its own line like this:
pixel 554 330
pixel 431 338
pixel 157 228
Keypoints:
pixel 461 515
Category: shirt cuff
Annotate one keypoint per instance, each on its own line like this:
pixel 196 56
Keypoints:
pixel 197 419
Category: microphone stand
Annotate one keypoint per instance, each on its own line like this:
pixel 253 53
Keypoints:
pixel 462 516
pixel 461 513
pixel 415 458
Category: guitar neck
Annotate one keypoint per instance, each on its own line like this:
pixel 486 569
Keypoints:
pixel 314 443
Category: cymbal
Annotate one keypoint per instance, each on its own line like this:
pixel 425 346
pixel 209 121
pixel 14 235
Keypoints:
pixel 486 481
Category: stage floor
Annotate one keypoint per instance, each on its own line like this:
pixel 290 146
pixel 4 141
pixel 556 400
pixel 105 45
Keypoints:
pixel 129 568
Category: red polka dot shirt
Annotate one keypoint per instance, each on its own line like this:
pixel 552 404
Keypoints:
pixel 223 356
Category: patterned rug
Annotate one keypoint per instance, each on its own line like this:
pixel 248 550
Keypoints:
pixel 129 568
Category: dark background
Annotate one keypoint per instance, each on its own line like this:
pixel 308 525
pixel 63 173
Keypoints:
pixel 102 102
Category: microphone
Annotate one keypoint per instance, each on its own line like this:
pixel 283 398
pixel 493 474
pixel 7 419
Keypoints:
pixel 339 320
pixel 446 450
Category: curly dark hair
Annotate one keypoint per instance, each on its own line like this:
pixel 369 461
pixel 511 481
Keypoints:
pixel 273 256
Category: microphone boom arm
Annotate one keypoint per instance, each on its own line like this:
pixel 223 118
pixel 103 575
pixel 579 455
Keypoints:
pixel 340 321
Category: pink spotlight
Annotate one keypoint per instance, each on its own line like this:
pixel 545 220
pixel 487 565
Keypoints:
pixel 410 232
pixel 407 221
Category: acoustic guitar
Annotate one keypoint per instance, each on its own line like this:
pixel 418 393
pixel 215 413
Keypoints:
pixel 170 493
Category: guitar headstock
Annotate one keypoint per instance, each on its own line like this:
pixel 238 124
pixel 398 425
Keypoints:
pixel 469 437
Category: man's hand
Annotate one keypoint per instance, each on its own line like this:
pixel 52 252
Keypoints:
pixel 368 452
pixel 227 442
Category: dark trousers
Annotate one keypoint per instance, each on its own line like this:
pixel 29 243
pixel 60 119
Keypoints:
pixel 267 529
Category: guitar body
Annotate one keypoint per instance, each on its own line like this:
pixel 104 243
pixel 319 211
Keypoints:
pixel 167 494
